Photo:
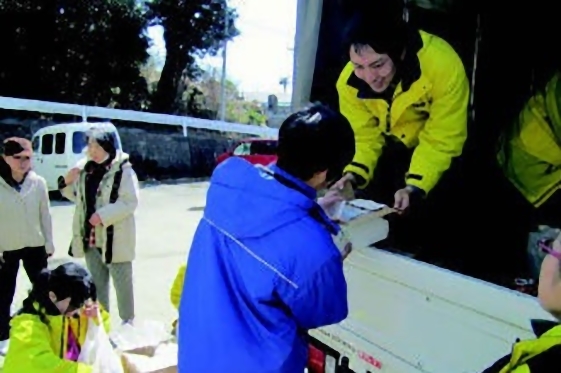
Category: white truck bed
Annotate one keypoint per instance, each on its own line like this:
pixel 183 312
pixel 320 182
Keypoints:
pixel 408 316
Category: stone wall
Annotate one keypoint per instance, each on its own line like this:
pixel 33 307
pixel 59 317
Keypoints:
pixel 157 151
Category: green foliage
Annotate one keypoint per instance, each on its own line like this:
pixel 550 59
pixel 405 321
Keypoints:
pixel 80 51
pixel 202 99
pixel 246 112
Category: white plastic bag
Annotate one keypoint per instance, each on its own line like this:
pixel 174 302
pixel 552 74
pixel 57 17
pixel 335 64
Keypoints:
pixel 142 337
pixel 97 350
pixel 163 361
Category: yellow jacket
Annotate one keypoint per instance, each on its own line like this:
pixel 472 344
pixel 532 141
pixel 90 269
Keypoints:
pixel 430 116
pixel 36 347
pixel 530 153
pixel 177 287
pixel 547 348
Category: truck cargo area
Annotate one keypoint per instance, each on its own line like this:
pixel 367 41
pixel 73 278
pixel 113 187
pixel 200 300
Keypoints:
pixel 450 304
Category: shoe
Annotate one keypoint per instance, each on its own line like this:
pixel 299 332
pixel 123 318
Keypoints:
pixel 127 322
pixel 4 347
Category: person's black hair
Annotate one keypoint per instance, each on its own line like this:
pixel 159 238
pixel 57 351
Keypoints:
pixel 69 280
pixel 313 140
pixel 10 148
pixel 381 26
pixel 106 139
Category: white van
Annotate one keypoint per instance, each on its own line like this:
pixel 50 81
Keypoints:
pixel 59 147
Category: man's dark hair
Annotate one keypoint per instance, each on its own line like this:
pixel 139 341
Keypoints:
pixel 313 140
pixel 380 26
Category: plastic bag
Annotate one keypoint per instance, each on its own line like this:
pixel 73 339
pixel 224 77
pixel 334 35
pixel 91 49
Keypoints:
pixel 163 361
pixel 97 350
pixel 141 338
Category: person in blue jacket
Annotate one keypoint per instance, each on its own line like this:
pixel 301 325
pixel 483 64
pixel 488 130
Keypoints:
pixel 263 268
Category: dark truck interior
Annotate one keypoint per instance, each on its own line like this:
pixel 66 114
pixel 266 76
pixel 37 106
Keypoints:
pixel 508 49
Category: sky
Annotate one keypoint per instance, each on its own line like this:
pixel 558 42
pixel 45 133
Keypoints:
pixel 261 55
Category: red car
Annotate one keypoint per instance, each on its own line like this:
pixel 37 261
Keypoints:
pixel 255 151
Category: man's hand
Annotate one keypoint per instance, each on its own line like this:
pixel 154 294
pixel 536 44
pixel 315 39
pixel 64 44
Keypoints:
pixel 402 199
pixel 343 182
pixel 72 176
pixel 95 220
pixel 347 250
pixel 329 201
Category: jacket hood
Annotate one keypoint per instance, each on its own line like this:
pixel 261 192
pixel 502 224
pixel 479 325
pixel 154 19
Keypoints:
pixel 120 158
pixel 249 201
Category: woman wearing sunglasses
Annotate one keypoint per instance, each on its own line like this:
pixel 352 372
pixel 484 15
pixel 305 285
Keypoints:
pixel 25 224
pixel 47 333
pixel 543 353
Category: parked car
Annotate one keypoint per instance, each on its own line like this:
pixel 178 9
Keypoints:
pixel 255 151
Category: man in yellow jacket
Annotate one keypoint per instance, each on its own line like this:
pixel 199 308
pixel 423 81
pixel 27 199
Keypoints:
pixel 406 95
pixel 530 151
pixel 529 155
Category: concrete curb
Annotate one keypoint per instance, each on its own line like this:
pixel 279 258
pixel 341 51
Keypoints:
pixel 183 180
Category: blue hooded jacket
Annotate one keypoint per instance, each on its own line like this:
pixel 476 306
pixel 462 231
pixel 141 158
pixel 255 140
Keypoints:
pixel 262 271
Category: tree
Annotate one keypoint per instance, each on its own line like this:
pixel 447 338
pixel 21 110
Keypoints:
pixel 84 52
pixel 151 72
pixel 191 28
pixel 202 100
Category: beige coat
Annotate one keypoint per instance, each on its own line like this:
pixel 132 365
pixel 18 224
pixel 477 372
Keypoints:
pixel 25 220
pixel 120 214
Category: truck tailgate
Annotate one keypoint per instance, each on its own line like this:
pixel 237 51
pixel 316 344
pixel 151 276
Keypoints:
pixel 409 316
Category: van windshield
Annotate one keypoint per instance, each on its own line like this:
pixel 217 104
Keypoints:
pixel 80 142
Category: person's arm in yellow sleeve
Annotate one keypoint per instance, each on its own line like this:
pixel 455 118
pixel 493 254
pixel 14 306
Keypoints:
pixel 30 350
pixel 445 131
pixel 369 140
pixel 177 287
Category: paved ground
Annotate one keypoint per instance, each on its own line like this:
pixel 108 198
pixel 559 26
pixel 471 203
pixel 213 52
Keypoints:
pixel 166 221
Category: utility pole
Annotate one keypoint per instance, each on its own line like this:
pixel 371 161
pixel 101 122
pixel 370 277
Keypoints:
pixel 224 55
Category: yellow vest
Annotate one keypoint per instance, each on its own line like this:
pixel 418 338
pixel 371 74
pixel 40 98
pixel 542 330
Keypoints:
pixel 530 154
pixel 430 116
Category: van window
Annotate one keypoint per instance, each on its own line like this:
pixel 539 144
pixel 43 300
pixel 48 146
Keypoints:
pixel 60 143
pixel 79 142
pixel 47 144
